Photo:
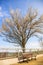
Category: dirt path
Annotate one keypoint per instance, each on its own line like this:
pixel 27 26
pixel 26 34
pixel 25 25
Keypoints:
pixel 13 60
pixel 39 55
pixel 8 61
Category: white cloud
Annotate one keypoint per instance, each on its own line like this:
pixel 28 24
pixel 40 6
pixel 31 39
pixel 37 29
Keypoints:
pixel 1 14
pixel 4 14
pixel 0 8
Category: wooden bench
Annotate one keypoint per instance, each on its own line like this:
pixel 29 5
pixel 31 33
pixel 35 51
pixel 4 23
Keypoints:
pixel 25 57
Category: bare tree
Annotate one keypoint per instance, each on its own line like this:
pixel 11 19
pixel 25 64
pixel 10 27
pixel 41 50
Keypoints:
pixel 41 42
pixel 18 29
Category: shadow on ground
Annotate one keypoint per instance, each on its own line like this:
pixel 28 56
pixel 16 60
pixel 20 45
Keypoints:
pixel 39 61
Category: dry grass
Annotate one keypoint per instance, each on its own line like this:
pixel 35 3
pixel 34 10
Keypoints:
pixel 39 61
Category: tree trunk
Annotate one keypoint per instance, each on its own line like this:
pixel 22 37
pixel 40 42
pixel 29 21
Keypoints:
pixel 23 50
pixel 23 45
pixel 23 42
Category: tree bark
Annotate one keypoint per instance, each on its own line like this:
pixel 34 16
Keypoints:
pixel 23 45
pixel 23 50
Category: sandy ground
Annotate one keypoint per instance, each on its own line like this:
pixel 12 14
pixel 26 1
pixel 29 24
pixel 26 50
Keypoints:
pixel 39 55
pixel 8 61
pixel 13 60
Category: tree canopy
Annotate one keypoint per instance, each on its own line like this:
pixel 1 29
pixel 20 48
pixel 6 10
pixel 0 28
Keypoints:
pixel 18 29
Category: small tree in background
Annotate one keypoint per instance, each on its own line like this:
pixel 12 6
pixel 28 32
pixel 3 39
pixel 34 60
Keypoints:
pixel 41 42
pixel 18 29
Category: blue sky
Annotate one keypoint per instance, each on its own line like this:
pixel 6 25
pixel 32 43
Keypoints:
pixel 23 5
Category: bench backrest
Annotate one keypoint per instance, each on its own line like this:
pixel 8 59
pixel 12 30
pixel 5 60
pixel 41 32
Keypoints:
pixel 27 54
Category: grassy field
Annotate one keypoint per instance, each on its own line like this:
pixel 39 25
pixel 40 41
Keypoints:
pixel 39 61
